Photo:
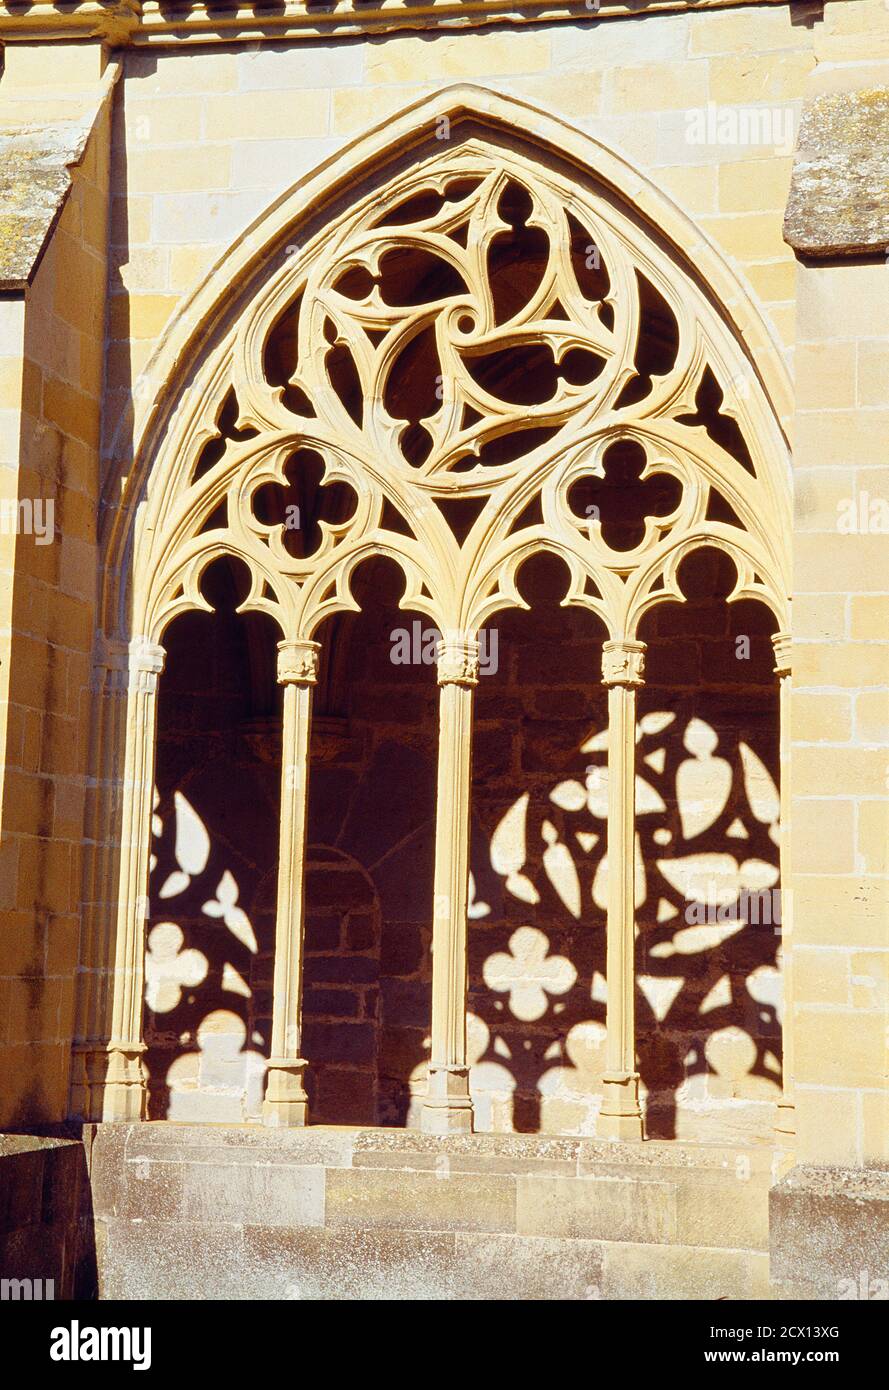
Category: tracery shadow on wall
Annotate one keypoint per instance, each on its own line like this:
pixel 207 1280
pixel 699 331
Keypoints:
pixel 707 809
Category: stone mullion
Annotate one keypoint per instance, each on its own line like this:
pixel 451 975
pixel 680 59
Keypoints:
pixel 286 1103
pixel 448 1108
pixel 621 1116
pixel 125 1090
pixel 786 1120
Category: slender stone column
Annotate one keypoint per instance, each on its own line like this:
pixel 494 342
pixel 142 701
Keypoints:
pixel 620 1116
pixel 101 884
pixel 125 1090
pixel 448 1108
pixel 286 1103
pixel 785 1123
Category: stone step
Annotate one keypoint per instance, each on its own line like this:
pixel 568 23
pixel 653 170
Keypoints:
pixel 182 1260
pixel 328 1208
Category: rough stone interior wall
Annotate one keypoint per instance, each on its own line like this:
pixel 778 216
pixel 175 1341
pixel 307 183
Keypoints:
pixel 709 1037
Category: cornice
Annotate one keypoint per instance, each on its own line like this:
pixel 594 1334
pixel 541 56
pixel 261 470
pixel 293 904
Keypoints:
pixel 41 21
pixel 135 23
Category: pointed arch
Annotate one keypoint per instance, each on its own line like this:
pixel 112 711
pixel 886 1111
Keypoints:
pixel 294 345
pixel 434 143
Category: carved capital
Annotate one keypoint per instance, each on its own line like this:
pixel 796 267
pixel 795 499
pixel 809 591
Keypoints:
pixel 623 663
pixel 111 666
pixel 781 641
pixel 298 662
pixel 146 661
pixel 457 658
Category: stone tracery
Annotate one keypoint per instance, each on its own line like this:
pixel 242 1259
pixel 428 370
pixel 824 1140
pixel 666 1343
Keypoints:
pixel 421 367
pixel 483 330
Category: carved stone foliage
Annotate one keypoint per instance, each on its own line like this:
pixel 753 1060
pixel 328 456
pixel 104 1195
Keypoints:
pixel 459 372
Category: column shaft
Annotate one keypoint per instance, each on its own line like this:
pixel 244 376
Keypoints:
pixel 785 1123
pixel 448 1108
pixel 285 1102
pixel 620 1116
pixel 125 1089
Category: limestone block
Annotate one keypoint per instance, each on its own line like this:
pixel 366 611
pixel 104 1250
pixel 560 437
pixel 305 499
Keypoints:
pixel 682 1272
pixel 873 372
pixel 736 30
pixel 322 65
pixel 723 1213
pixel 658 87
pixel 851 908
pixel 478 53
pixel 821 976
pixel 840 1047
pixel 596 1208
pixel 256 1194
pixel 871 713
pixel 258 115
pixel 420 1201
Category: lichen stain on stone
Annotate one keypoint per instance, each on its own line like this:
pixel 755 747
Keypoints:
pixel 839 192
pixel 34 179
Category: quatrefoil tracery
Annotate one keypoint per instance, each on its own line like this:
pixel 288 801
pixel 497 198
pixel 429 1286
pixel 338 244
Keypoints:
pixel 481 329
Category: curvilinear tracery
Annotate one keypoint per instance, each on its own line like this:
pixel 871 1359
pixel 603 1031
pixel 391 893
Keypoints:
pixel 479 332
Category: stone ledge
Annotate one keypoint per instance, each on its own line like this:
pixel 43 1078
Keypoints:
pixel 45 1215
pixel 829 1231
pixel 36 160
pixel 839 191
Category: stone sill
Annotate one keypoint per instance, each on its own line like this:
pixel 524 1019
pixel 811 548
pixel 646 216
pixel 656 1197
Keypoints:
pixel 127 23
pixel 347 1146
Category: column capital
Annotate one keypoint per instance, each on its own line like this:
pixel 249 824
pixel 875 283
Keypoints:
pixel 623 662
pixel 457 657
pixel 146 661
pixel 111 665
pixel 782 643
pixel 298 662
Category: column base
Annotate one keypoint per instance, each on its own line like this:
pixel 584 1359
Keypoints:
pixel 286 1105
pixel 447 1107
pixel 115 1083
pixel 621 1115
